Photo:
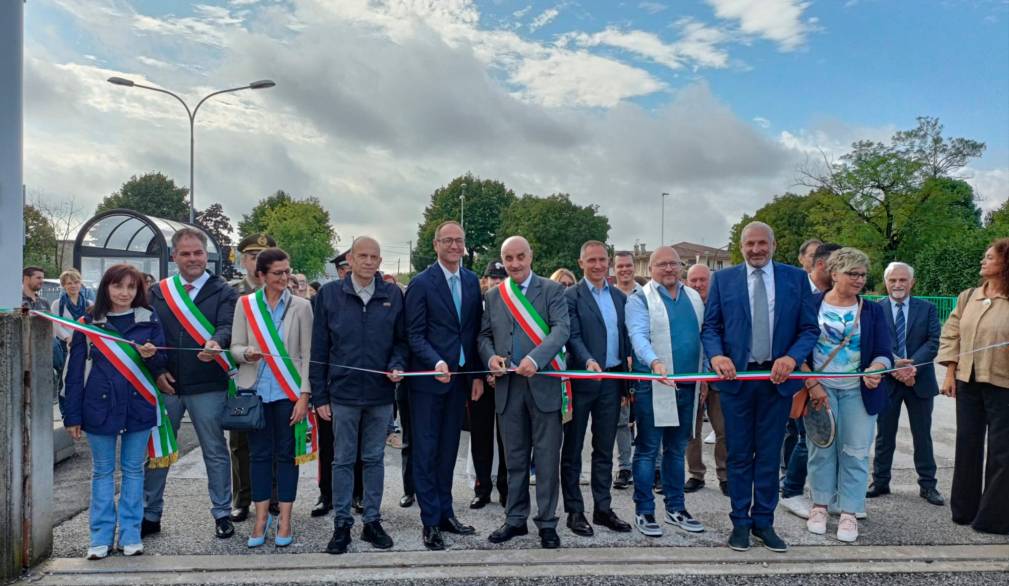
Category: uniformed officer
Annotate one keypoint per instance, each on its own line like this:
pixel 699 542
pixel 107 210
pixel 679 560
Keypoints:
pixel 249 248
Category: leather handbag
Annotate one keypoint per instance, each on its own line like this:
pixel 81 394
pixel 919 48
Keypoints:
pixel 243 412
pixel 800 401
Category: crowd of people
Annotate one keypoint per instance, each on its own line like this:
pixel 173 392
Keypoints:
pixel 335 355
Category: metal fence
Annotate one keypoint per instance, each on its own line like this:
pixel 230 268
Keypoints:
pixel 944 305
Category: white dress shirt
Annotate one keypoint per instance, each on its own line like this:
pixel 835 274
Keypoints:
pixel 197 284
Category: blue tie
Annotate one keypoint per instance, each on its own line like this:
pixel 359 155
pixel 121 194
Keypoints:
pixel 900 326
pixel 457 298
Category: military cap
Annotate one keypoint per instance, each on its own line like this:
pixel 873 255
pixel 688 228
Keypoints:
pixel 495 269
pixel 340 260
pixel 256 243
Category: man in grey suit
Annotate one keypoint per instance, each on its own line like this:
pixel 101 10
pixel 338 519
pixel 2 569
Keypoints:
pixel 529 406
pixel 914 325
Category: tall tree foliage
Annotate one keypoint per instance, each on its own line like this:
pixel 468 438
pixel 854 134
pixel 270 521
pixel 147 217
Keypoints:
pixel 255 221
pixel 40 242
pixel 303 229
pixel 153 194
pixel 485 200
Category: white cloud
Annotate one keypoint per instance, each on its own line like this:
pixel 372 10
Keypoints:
pixel 991 186
pixel 698 45
pixel 762 122
pixel 544 18
pixel 776 20
pixel 581 79
pixel 652 7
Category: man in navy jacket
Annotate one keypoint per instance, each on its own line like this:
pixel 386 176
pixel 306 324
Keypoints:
pixel 443 312
pixel 358 323
pixel 760 316
pixel 916 343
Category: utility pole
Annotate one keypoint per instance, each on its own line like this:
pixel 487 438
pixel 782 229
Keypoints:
pixel 409 259
pixel 662 240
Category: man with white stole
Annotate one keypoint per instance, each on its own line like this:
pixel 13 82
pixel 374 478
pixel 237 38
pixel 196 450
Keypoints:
pixel 664 323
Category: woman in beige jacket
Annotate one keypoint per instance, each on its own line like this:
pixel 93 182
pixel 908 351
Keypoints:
pixel 274 445
pixel 977 375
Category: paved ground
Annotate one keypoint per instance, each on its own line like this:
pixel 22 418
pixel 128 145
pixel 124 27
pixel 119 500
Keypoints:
pixel 901 519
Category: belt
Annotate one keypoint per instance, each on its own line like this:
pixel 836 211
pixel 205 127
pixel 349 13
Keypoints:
pixel 617 368
pixel 759 365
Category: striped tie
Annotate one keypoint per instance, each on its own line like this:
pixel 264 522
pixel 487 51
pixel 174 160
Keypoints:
pixel 901 326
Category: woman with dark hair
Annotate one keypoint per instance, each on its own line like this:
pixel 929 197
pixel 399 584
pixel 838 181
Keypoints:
pixel 977 375
pixel 105 404
pixel 270 326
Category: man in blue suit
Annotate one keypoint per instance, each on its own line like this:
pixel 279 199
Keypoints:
pixel 760 315
pixel 598 343
pixel 443 313
pixel 914 329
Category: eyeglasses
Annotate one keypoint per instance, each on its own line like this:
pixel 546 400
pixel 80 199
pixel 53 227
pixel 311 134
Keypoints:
pixel 282 273
pixel 451 241
pixel 668 265
pixel 855 275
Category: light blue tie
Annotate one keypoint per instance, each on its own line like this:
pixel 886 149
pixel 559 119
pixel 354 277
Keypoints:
pixel 453 283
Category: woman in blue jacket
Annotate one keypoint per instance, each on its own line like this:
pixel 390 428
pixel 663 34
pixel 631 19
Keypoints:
pixel 840 472
pixel 102 402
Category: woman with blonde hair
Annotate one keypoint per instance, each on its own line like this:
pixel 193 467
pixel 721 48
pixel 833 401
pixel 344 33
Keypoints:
pixel 564 277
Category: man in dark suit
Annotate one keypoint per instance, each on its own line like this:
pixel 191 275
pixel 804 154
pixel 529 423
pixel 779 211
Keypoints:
pixel 914 328
pixel 598 343
pixel 528 405
pixel 443 310
pixel 760 315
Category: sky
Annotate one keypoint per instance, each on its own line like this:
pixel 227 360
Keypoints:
pixel 718 103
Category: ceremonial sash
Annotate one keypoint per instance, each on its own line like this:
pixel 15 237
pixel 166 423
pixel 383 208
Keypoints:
pixel 196 324
pixel 162 449
pixel 279 361
pixel 536 328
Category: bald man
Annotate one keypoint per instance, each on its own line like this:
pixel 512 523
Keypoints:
pixel 527 403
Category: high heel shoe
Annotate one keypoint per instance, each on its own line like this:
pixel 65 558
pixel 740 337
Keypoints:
pixel 258 541
pixel 281 541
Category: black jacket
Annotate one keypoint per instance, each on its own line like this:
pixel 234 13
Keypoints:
pixel 217 302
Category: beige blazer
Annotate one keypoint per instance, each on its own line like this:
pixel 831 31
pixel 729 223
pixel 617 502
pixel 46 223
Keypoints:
pixel 297 339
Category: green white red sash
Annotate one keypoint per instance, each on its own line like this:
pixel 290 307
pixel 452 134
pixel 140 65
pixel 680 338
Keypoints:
pixel 537 329
pixel 275 354
pixel 162 449
pixel 195 323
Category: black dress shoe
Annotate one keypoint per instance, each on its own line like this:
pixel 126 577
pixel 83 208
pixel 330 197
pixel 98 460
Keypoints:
pixel 506 532
pixel 693 485
pixel 932 496
pixel 239 514
pixel 624 479
pixel 724 486
pixel 322 508
pixel 770 539
pixel 452 525
pixel 877 490
pixel 374 534
pixel 433 539
pixel 274 509
pixel 549 538
pixel 611 521
pixel 740 539
pixel 149 528
pixel 479 502
pixel 340 541
pixel 407 500
pixel 358 505
pixel 579 525
pixel 224 528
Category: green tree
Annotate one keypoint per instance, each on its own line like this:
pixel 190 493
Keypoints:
pixel 555 228
pixel 997 221
pixel 215 222
pixel 40 242
pixel 950 265
pixel 485 200
pixel 153 194
pixel 885 186
pixel 302 228
pixel 255 221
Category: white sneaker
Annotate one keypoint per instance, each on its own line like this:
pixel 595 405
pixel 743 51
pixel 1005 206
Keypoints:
pixel 710 439
pixel 98 552
pixel 798 505
pixel 647 525
pixel 817 521
pixel 131 550
pixel 847 528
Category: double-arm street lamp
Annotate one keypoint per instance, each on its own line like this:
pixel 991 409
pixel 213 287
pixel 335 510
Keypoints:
pixel 256 85
pixel 662 240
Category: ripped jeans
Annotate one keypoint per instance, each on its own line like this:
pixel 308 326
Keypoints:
pixel 841 472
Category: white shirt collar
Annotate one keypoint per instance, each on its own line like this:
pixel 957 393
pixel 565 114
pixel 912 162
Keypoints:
pixel 529 279
pixel 200 282
pixel 449 274
pixel 768 269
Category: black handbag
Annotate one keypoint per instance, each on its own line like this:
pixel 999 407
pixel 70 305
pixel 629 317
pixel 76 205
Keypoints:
pixel 243 412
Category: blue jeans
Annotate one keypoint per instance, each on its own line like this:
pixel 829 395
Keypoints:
pixel 674 446
pixel 842 470
pixel 795 462
pixel 102 514
pixel 370 423
pixel 274 444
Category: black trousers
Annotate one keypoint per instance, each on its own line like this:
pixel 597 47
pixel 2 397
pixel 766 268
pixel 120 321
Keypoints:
pixel 980 495
pixel 483 426
pixel 326 463
pixel 406 423
pixel 603 405
pixel 919 415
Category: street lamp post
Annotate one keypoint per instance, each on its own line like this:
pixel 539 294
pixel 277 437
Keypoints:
pixel 662 240
pixel 462 207
pixel 256 85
